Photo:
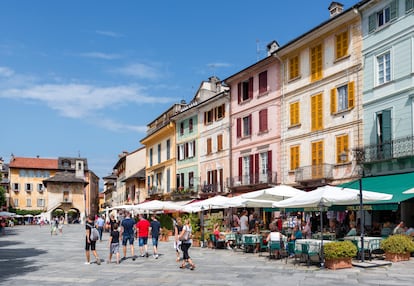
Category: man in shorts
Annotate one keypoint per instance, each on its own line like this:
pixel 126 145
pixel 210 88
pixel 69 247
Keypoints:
pixel 127 233
pixel 142 234
pixel 155 232
pixel 90 244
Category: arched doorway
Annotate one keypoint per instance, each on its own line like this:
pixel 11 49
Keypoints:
pixel 73 216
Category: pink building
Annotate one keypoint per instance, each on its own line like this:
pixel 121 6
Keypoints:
pixel 255 106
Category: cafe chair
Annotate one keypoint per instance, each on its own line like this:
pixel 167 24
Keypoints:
pixel 248 244
pixel 274 246
pixel 263 246
pixel 217 243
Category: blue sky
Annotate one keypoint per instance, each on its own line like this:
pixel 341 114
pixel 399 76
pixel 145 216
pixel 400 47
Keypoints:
pixel 86 77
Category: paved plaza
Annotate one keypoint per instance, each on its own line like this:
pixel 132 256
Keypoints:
pixel 29 255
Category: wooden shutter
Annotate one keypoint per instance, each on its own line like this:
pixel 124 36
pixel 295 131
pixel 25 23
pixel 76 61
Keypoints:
pixel 240 169
pixel 341 146
pixel 256 168
pixel 186 150
pixel 239 92
pixel 219 142
pixel 351 95
pixel 251 168
pixel 263 120
pixel 263 82
pixel 372 22
pixel 269 162
pixel 250 88
pixel 333 101
pixel 294 157
pixel 313 113
pixel 250 125
pixel 238 128
pixel 393 9
pixel 208 146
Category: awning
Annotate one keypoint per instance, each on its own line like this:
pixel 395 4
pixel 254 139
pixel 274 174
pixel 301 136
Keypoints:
pixel 389 184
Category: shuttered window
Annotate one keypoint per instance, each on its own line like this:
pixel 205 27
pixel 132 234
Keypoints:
pixel 316 112
pixel 263 82
pixel 341 44
pixel 342 97
pixel 294 113
pixel 263 120
pixel 294 157
pixel 341 148
pixel 219 142
pixel 294 67
pixel 316 62
pixel 208 146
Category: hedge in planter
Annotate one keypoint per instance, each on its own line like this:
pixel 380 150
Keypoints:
pixel 339 254
pixel 397 247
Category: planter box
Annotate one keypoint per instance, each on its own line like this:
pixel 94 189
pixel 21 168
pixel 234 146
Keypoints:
pixel 338 263
pixel 395 257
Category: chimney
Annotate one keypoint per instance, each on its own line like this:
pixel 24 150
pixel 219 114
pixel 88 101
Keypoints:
pixel 272 47
pixel 335 8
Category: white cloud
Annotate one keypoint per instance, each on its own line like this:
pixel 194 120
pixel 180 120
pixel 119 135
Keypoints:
pixel 6 72
pixel 219 65
pixel 99 55
pixel 119 127
pixel 109 34
pixel 81 100
pixel 139 71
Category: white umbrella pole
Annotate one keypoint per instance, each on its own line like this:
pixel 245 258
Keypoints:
pixel 362 220
pixel 321 220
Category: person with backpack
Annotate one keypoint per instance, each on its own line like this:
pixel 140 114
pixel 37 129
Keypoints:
pixel 91 241
pixel 185 237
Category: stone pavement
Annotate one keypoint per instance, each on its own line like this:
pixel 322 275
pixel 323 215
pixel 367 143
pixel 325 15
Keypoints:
pixel 29 255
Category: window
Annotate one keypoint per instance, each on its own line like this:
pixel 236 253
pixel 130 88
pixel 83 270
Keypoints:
pixel 181 128
pixel 341 41
pixel 245 90
pixel 262 82
pixel 317 159
pixel 316 112
pixel 263 120
pixel 191 149
pixel 28 187
pixel 244 126
pixel 219 142
pixel 40 188
pixel 208 117
pixel 190 125
pixel 168 180
pixel 409 5
pixel 16 203
pixel 384 133
pixel 342 97
pixel 28 202
pixel 220 110
pixel 294 113
pixel 150 157
pixel 341 148
pixel 159 153
pixel 186 150
pixel 168 149
pixel 294 67
pixel 383 17
pixel 294 157
pixel 180 180
pixel 180 151
pixel 384 68
pixel 316 62
pixel 209 146
pixel 247 170
pixel 263 166
pixel 191 179
pixel 40 202
pixel 16 187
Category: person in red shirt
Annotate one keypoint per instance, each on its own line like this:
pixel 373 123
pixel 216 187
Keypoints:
pixel 142 227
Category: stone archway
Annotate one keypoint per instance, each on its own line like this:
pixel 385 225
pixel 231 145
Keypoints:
pixel 73 215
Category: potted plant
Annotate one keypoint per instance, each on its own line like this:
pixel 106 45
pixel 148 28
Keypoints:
pixel 164 234
pixel 397 247
pixel 339 254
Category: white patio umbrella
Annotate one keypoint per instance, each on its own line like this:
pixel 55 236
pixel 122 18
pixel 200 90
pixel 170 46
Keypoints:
pixel 157 205
pixel 217 202
pixel 7 214
pixel 122 207
pixel 276 193
pixel 330 195
pixel 240 201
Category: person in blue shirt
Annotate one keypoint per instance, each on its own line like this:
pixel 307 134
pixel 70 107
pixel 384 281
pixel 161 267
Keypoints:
pixel 155 232
pixel 296 234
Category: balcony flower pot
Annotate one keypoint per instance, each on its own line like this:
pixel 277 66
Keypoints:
pixel 397 247
pixel 339 254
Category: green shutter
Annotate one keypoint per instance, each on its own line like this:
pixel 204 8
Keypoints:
pixel 408 5
pixel 372 24
pixel 393 9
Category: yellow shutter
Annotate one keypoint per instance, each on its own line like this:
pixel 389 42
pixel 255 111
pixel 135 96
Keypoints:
pixel 294 113
pixel 313 113
pixel 342 44
pixel 297 113
pixel 316 112
pixel 320 111
pixel 341 146
pixel 317 159
pixel 316 62
pixel 351 95
pixel 333 101
pixel 294 158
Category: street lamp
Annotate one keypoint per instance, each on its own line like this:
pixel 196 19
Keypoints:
pixel 359 154
pixel 202 226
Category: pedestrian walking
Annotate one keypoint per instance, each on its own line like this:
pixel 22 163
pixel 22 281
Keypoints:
pixel 60 224
pixel 90 244
pixel 185 237
pixel 155 232
pixel 178 227
pixel 127 233
pixel 142 227
pixel 114 244
pixel 100 223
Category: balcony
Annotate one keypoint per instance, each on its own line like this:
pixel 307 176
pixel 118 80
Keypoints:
pixel 389 157
pixel 314 175
pixel 183 193
pixel 253 181
pixel 155 191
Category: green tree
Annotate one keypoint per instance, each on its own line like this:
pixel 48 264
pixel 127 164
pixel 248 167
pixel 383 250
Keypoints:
pixel 2 196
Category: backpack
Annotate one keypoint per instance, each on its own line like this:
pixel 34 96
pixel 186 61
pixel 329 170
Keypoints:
pixel 94 233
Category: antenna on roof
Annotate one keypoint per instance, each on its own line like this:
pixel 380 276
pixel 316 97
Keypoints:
pixel 79 153
pixel 258 49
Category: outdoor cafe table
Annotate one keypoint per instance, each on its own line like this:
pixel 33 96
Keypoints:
pixel 370 242
pixel 326 235
pixel 251 241
pixel 314 245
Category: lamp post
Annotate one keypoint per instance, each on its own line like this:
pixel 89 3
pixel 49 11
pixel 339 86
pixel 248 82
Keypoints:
pixel 359 154
pixel 202 226
pixel 321 205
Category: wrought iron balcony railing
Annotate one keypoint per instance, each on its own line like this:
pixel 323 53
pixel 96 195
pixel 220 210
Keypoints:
pixel 314 172
pixel 397 148
pixel 253 179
